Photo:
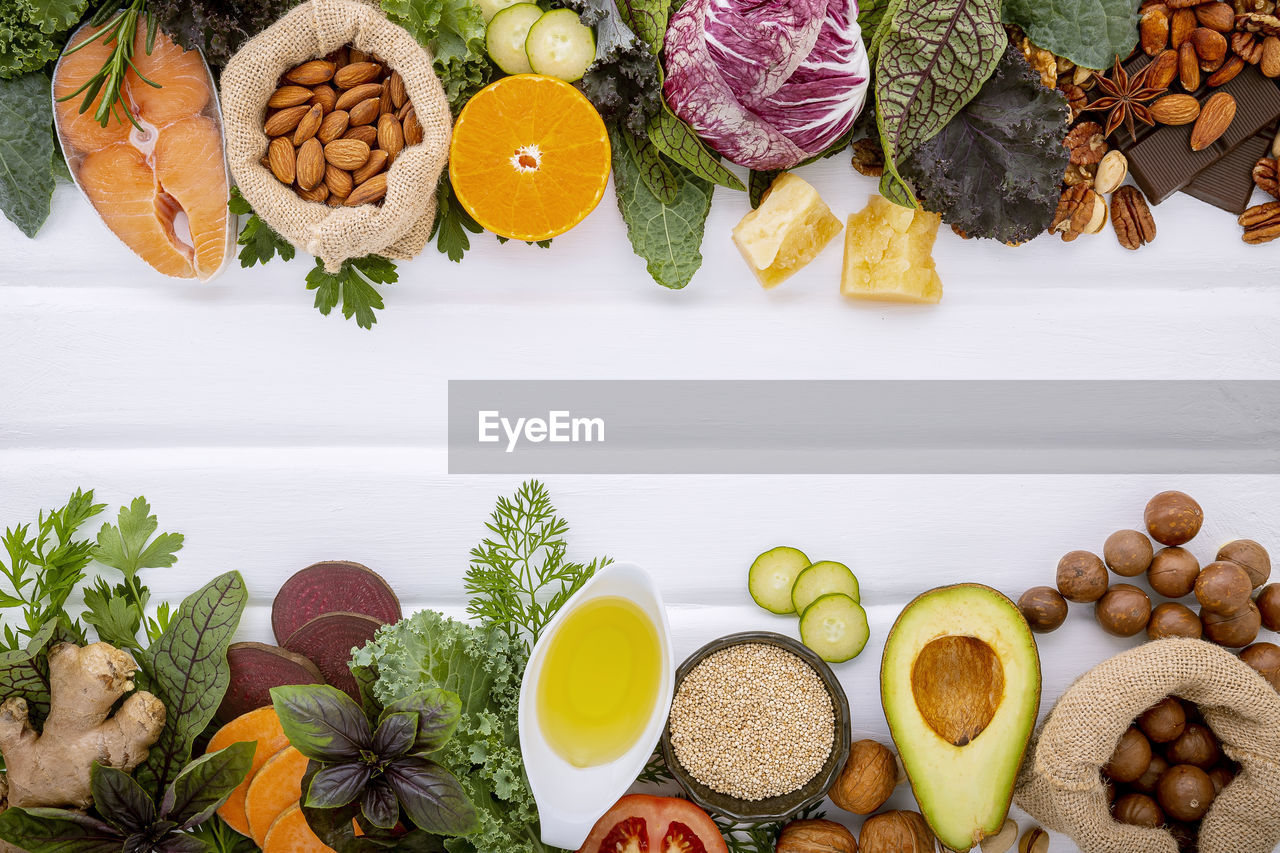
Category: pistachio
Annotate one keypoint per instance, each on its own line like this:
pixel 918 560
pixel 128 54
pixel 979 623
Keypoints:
pixel 1002 841
pixel 1112 171
pixel 1034 840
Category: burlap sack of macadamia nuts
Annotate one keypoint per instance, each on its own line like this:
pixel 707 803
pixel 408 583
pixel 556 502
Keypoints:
pixel 1060 784
pixel 399 228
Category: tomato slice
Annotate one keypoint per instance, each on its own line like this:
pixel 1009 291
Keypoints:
pixel 640 823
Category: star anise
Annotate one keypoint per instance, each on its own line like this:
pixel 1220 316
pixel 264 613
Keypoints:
pixel 1125 98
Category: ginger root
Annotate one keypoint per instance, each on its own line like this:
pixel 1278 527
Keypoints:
pixel 52 768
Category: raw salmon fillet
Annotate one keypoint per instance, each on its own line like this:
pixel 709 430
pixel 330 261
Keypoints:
pixel 162 189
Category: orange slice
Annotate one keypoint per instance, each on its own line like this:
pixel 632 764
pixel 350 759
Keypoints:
pixel 529 158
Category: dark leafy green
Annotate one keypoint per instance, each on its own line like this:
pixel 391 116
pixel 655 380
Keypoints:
pixel 26 149
pixel 31 32
pixel 260 241
pixel 218 28
pixel 624 81
pixel 654 169
pixel 677 140
pixel 452 223
pixel 25 672
pixel 454 31
pixel 1091 33
pixel 995 170
pixel 353 286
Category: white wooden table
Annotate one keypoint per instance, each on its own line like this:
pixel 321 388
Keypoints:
pixel 273 437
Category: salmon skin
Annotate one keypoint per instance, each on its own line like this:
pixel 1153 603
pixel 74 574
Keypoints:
pixel 161 187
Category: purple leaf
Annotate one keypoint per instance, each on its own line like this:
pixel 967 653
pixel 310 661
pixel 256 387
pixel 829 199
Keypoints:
pixel 321 722
pixel 337 784
pixel 379 806
pixel 120 800
pixel 432 797
pixel 438 712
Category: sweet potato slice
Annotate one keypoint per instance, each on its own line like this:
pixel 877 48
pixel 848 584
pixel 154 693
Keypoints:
pixel 289 833
pixel 277 786
pixel 255 669
pixel 330 587
pixel 328 640
pixel 261 726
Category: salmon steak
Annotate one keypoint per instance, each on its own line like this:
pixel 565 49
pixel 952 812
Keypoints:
pixel 160 186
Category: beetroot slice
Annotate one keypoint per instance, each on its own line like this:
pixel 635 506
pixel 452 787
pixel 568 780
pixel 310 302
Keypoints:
pixel 255 669
pixel 334 586
pixel 328 640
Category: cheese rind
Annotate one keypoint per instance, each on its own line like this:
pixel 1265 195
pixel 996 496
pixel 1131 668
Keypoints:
pixel 787 231
pixel 888 254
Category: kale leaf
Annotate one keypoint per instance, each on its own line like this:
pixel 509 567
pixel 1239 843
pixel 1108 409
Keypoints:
pixel 26 150
pixel 217 27
pixel 623 83
pixel 454 32
pixel 995 169
pixel 1091 33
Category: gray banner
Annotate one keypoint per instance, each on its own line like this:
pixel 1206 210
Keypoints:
pixel 863 427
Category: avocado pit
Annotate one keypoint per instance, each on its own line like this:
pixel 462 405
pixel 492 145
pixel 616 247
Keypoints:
pixel 958 683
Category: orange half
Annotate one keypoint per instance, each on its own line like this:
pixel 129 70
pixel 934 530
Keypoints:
pixel 529 158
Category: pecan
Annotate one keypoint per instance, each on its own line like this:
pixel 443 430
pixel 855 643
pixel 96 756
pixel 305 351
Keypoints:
pixel 1080 211
pixel 1131 218
pixel 1267 25
pixel 1261 223
pixel 1266 174
pixel 868 157
pixel 1086 143
pixel 1247 46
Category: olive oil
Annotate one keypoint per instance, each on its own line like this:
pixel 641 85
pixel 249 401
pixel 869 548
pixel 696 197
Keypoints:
pixel 599 682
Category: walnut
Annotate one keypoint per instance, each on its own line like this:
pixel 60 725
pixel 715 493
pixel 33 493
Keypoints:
pixel 816 836
pixel 1076 176
pixel 1267 25
pixel 1076 97
pixel 1255 7
pixel 868 157
pixel 868 778
pixel 896 832
pixel 1086 143
pixel 1043 61
pixel 1266 174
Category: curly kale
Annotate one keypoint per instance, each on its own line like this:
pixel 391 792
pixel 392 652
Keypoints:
pixel 31 32
pixel 218 27
pixel 623 83
pixel 995 170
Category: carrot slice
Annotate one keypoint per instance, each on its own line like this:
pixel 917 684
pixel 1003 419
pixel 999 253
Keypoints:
pixel 277 786
pixel 289 833
pixel 263 728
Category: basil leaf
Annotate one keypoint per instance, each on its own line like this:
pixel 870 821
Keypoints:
pixel 41 830
pixel 379 805
pixel 188 672
pixel 395 735
pixel 206 783
pixel 1091 33
pixel 677 140
pixel 120 800
pixel 934 55
pixel 26 151
pixel 338 784
pixel 321 721
pixel 178 843
pixel 438 712
pixel 432 797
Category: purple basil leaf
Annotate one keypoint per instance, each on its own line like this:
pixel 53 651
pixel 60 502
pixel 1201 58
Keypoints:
pixel 41 830
pixel 337 784
pixel 438 714
pixel 120 800
pixel 321 722
pixel 206 783
pixel 180 843
pixel 395 735
pixel 432 797
pixel 379 806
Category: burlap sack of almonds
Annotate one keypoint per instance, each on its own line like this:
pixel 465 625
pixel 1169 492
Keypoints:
pixel 399 228
pixel 1060 784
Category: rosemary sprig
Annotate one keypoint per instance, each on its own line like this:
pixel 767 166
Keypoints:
pixel 760 837
pixel 118 26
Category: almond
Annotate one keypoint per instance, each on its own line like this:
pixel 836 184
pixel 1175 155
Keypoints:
pixel 390 136
pixel 333 126
pixel 1175 109
pixel 312 73
pixel 1233 66
pixel 1153 29
pixel 366 133
pixel 1180 27
pixel 280 159
pixel 355 54
pixel 319 193
pixel 284 121
pixel 1164 69
pixel 412 130
pixel 1270 64
pixel 355 74
pixel 385 107
pixel 399 94
pixel 341 56
pixel 1210 45
pixel 325 97
pixel 311 157
pixel 309 125
pixel 377 161
pixel 364 112
pixel 1216 115
pixel 1188 67
pixel 338 180
pixel 353 96
pixel 1217 16
pixel 1208 66
pixel 370 191
pixel 347 153
pixel 289 96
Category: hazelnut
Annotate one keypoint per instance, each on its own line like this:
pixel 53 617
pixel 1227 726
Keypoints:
pixel 1034 840
pixel 1265 658
pixel 1250 556
pixel 1002 841
pixel 1235 630
pixel 1044 608
pixel 1164 721
pixel 1223 588
pixel 896 832
pixel 1146 783
pixel 1173 572
pixel 1124 610
pixel 1082 577
pixel 1196 745
pixel 1173 518
pixel 1128 553
pixel 1269 606
pixel 1172 619
pixel 867 780
pixel 1138 810
pixel 816 836
pixel 1131 757
pixel 1185 792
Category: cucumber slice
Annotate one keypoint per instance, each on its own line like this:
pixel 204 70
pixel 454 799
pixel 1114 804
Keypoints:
pixel 506 34
pixel 823 578
pixel 560 45
pixel 835 626
pixel 772 575
pixel 489 8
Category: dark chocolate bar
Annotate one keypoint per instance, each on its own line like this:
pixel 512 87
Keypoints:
pixel 1228 183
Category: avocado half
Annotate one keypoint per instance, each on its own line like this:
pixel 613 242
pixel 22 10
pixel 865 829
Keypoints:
pixel 960 684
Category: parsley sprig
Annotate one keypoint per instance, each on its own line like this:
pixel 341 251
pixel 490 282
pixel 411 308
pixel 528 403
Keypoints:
pixel 261 242
pixel 353 286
